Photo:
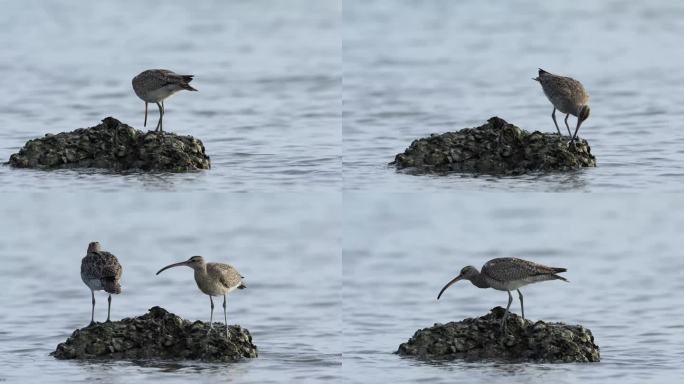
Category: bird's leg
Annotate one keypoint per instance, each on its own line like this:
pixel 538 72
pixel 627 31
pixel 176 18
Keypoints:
pixel 225 316
pixel 92 311
pixel 109 306
pixel 553 116
pixel 145 123
pixel 503 321
pixel 522 308
pixel 161 113
pixel 566 124
pixel 211 317
pixel 161 124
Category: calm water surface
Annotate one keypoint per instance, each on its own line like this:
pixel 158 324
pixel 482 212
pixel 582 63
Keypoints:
pixel 268 73
pixel 287 248
pixel 416 68
pixel 624 265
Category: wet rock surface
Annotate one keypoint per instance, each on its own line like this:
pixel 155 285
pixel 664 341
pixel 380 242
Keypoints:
pixel 113 145
pixel 482 339
pixel 158 334
pixel 496 147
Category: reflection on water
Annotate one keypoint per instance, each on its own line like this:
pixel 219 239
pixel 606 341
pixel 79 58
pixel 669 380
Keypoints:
pixel 286 246
pixel 411 70
pixel 268 75
pixel 623 261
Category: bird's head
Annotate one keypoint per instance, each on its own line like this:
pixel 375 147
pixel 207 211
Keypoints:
pixel 583 113
pixel 94 247
pixel 194 262
pixel 467 273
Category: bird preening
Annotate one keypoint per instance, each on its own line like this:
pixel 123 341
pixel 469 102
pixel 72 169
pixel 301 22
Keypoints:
pixel 506 274
pixel 568 96
pixel 213 279
pixel 155 85
pixel 100 270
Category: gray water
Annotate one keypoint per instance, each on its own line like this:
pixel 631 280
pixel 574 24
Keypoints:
pixel 287 248
pixel 624 266
pixel 268 74
pixel 302 104
pixel 416 68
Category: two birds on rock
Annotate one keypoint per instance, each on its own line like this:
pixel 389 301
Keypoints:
pixel 101 270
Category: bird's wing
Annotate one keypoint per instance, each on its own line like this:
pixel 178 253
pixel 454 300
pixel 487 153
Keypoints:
pixel 166 76
pixel 224 273
pixel 511 268
pixel 570 89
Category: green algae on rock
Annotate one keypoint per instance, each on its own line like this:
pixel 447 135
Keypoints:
pixel 523 341
pixel 113 145
pixel 496 147
pixel 158 334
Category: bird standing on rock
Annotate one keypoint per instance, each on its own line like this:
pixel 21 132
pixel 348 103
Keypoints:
pixel 507 274
pixel 155 85
pixel 568 96
pixel 100 270
pixel 213 279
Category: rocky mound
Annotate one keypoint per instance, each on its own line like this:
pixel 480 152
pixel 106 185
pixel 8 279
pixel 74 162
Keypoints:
pixel 113 145
pixel 482 339
pixel 158 334
pixel 496 147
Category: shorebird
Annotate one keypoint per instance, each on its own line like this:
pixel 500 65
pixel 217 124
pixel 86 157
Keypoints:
pixel 213 279
pixel 568 96
pixel 507 274
pixel 100 270
pixel 155 85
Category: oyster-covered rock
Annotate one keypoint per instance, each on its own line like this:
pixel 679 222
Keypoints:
pixel 496 147
pixel 158 334
pixel 113 145
pixel 523 340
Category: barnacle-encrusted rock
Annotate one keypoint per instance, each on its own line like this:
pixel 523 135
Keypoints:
pixel 158 334
pixel 482 339
pixel 113 145
pixel 496 147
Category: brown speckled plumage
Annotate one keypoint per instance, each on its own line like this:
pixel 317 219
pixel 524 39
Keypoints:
pixel 567 95
pixel 155 85
pixel 213 279
pixel 507 274
pixel 100 270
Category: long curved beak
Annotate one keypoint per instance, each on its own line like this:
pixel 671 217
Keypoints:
pixel 449 284
pixel 172 265
pixel 574 136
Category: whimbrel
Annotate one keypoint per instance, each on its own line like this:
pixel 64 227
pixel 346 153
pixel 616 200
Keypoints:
pixel 568 96
pixel 507 274
pixel 100 270
pixel 155 85
pixel 213 279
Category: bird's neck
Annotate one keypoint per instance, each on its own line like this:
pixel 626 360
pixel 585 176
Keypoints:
pixel 479 281
pixel 200 271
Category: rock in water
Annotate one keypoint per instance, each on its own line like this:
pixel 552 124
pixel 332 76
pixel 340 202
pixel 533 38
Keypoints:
pixel 482 339
pixel 113 145
pixel 158 334
pixel 495 148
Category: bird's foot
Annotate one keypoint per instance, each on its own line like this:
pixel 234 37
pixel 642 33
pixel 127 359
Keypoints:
pixel 91 324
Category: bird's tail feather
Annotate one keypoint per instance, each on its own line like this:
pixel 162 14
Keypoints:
pixel 560 278
pixel 111 286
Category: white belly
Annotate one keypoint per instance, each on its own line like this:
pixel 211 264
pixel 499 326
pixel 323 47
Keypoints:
pixel 162 93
